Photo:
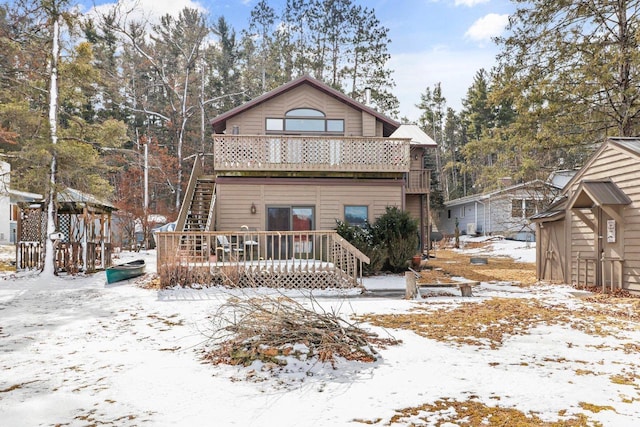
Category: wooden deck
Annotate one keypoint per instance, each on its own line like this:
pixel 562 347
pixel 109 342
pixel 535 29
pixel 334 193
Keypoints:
pixel 285 259
pixel 310 153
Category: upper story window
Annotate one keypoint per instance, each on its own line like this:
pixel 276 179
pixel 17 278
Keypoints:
pixel 305 120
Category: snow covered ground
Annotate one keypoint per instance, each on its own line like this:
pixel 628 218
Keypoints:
pixel 75 351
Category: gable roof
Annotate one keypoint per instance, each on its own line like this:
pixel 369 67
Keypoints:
pixel 415 134
pixel 219 123
pixel 536 183
pixel 598 193
pixel 628 144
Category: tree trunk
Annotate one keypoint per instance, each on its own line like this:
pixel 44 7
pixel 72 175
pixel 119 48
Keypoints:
pixel 49 259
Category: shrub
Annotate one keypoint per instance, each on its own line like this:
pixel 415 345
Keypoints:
pixel 362 238
pixel 390 241
pixel 398 233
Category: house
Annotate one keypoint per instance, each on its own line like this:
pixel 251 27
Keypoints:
pixel 287 165
pixel 505 211
pixel 591 235
pixel 9 200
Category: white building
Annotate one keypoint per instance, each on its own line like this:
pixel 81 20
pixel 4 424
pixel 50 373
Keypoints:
pixel 9 200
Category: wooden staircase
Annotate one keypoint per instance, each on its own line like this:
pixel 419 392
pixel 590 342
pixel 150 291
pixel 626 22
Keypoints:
pixel 198 216
pixel 197 213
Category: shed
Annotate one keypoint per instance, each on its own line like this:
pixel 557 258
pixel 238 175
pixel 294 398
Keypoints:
pixel 591 235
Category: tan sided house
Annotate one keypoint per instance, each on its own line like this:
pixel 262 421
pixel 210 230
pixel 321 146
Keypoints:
pixel 591 235
pixel 281 170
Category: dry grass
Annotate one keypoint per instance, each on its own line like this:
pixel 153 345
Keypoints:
pixel 449 264
pixel 474 413
pixel 489 323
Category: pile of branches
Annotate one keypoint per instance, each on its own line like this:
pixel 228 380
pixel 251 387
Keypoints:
pixel 273 329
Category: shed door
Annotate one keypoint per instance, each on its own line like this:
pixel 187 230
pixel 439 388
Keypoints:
pixel 553 252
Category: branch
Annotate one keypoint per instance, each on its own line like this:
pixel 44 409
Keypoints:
pixel 145 111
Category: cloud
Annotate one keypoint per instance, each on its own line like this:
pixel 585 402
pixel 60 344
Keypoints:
pixel 454 69
pixel 469 3
pixel 488 26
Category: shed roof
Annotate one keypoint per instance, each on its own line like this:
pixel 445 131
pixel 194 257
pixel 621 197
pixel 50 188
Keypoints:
pixel 22 196
pixel 632 144
pixel 70 198
pixel 220 123
pixel 598 193
pixel 555 211
pixel 415 134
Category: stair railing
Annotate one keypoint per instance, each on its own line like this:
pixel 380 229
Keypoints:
pixel 188 195
pixel 212 209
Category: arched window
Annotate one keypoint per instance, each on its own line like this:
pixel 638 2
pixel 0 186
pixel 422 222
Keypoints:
pixel 304 112
pixel 305 120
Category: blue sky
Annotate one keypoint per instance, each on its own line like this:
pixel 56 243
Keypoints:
pixel 432 41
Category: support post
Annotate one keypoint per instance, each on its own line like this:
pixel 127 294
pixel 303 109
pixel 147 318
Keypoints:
pixel 411 287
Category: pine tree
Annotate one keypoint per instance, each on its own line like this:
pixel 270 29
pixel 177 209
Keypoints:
pixel 572 72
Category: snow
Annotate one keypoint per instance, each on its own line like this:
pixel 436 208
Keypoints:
pixel 75 351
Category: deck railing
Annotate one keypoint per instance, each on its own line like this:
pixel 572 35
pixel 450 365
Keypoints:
pixel 287 259
pixel 310 153
pixel 418 181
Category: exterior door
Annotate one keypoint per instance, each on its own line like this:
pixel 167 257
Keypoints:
pixel 552 252
pixel 278 219
pixel 290 218
pixel 302 220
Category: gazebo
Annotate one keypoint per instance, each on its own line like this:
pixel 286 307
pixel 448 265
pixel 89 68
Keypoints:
pixel 82 240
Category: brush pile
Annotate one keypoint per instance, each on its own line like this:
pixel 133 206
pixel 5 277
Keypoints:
pixel 271 330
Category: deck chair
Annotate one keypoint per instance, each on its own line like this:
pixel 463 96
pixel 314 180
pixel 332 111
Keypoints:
pixel 227 250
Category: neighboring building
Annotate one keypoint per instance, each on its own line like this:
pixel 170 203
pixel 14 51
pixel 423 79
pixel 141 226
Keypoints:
pixel 297 159
pixel 501 212
pixel 9 200
pixel 591 235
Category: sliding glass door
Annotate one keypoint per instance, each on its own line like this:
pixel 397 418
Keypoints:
pixel 290 218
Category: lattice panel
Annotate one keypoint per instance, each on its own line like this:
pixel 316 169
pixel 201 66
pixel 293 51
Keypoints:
pixel 32 225
pixel 311 153
pixel 289 280
pixel 64 226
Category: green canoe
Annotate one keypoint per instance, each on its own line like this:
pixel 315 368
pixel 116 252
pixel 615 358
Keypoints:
pixel 125 271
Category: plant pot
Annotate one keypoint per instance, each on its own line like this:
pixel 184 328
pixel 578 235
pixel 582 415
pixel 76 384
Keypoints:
pixel 416 260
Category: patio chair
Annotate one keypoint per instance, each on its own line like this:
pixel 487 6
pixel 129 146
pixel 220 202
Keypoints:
pixel 227 249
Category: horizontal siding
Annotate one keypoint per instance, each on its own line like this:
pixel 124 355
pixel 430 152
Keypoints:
pixel 413 206
pixel 252 121
pixel 233 204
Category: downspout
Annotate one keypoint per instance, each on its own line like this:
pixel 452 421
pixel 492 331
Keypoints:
pixel 484 217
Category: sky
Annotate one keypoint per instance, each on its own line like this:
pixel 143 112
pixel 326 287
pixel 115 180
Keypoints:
pixel 77 352
pixel 432 41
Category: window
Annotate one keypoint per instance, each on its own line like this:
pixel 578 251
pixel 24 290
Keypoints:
pixel 356 215
pixel 305 120
pixel 523 208
pixel 275 125
pixel 335 125
pixel 530 208
pixel 516 208
pixel 461 211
